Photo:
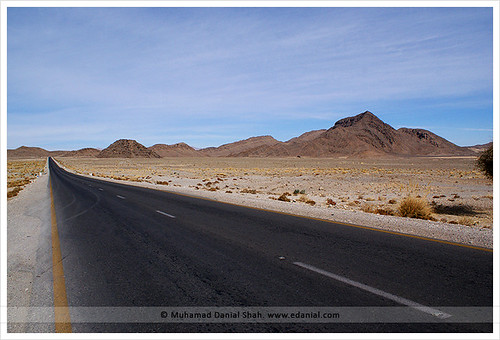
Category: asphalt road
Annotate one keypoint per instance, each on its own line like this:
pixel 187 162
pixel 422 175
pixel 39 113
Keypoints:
pixel 125 246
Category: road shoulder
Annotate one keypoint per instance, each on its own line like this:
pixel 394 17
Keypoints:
pixel 29 273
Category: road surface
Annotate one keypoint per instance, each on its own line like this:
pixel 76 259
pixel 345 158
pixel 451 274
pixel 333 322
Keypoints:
pixel 126 246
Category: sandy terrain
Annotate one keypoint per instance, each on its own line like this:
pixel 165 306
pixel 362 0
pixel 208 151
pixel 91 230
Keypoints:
pixel 348 190
pixel 21 172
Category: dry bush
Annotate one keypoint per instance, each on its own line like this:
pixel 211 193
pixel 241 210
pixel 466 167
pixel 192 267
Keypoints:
pixel 415 208
pixel 283 198
pixel 384 211
pixel 376 210
pixel 162 182
pixel 485 162
pixel 329 201
pixel 466 220
pixel 18 183
pixel 248 191
pixel 311 202
pixel 14 192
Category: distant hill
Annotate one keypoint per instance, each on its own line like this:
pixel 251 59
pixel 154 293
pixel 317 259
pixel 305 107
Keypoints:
pixel 363 135
pixel 127 148
pixel 85 152
pixel 174 150
pixel 479 147
pixel 27 152
pixel 238 148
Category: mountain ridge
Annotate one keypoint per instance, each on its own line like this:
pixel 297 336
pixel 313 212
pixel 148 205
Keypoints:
pixel 362 135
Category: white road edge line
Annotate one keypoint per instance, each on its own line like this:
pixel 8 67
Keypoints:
pixel 120 197
pixel 164 213
pixel 434 312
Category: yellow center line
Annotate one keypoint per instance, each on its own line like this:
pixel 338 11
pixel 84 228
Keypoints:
pixel 61 309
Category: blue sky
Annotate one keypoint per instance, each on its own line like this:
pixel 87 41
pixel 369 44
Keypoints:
pixel 84 77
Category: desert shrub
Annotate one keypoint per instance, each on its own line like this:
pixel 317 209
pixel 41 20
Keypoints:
pixel 18 183
pixel 485 162
pixel 366 208
pixel 384 211
pixel 14 192
pixel 329 201
pixel 283 198
pixel 415 207
pixel 296 191
pixel 392 201
pixel 248 191
pixel 466 220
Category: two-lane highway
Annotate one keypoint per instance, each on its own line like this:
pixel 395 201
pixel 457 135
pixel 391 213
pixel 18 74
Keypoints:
pixel 126 246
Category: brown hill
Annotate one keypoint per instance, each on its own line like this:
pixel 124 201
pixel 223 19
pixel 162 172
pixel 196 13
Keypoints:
pixel 306 136
pixel 174 150
pixel 127 148
pixel 423 142
pixel 237 148
pixel 27 152
pixel 85 152
pixel 363 135
pixel 479 147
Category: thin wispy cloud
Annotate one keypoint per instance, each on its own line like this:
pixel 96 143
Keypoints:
pixel 261 70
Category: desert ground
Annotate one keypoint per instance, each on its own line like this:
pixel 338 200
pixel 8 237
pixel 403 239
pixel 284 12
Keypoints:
pixel 456 191
pixel 21 172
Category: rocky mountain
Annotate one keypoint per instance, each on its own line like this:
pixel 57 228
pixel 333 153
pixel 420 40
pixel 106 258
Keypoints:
pixel 174 150
pixel 363 135
pixel 237 149
pixel 127 148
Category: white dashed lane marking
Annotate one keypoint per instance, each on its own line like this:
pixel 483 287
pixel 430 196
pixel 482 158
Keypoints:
pixel 432 311
pixel 164 213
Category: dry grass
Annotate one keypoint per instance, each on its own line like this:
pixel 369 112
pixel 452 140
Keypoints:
pixel 248 191
pixel 466 220
pixel 20 173
pixel 415 208
pixel 329 201
pixel 284 197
